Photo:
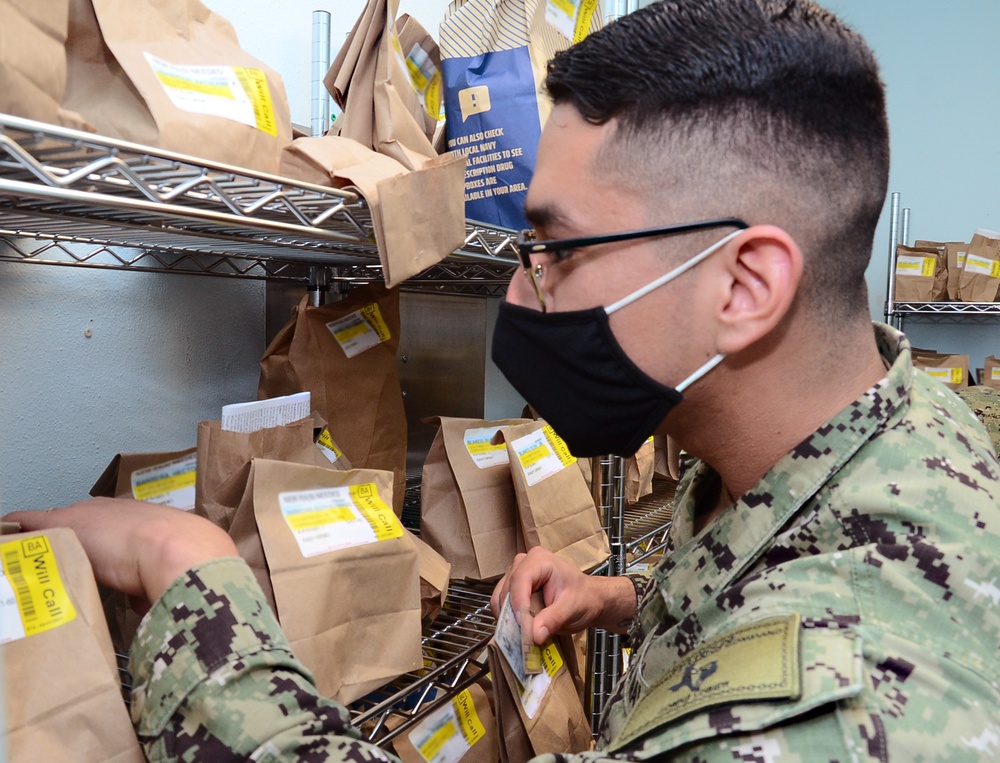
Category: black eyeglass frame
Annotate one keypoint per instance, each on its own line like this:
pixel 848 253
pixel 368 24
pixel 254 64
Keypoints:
pixel 527 245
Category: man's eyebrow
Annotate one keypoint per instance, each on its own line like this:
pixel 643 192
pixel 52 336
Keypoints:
pixel 547 216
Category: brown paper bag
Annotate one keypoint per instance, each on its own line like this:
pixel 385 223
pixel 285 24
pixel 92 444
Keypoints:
pixel 546 717
pixel 435 573
pixel 344 355
pixel 171 73
pixel 164 478
pixel 955 251
pixel 409 240
pixel 639 472
pixel 33 60
pixel 921 274
pixel 345 581
pixel 223 458
pixel 371 81
pixel 950 370
pixel 554 506
pixel 462 730
pixel 468 512
pixel 63 692
pixel 991 372
pixel 981 273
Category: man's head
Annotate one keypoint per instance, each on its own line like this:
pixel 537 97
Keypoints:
pixel 767 110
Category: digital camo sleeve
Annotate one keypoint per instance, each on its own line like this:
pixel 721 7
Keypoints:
pixel 215 679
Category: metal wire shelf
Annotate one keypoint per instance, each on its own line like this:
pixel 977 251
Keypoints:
pixel 73 188
pixel 648 520
pixel 454 657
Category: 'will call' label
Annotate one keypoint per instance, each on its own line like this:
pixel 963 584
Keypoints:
pixel 982 266
pixel 533 690
pixel 236 93
pixel 33 598
pixel 447 734
pixel 333 518
pixel 542 454
pixel 360 330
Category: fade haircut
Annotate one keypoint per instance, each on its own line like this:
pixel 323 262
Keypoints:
pixel 769 110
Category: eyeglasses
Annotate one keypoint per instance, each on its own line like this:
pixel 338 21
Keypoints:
pixel 561 248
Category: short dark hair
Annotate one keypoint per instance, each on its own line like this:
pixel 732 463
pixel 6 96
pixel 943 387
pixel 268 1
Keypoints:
pixel 776 102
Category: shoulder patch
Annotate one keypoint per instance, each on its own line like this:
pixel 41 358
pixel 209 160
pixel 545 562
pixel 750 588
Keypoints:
pixel 758 661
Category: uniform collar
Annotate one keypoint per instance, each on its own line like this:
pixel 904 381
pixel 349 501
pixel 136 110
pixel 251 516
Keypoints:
pixel 699 566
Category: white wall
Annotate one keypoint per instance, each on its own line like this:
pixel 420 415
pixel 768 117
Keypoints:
pixel 167 351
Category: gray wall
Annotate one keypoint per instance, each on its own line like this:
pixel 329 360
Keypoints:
pixel 167 351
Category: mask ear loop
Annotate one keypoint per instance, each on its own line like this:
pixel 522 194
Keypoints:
pixel 712 363
pixel 667 277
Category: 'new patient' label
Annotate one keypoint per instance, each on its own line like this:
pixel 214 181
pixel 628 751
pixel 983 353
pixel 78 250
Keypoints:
pixel 332 518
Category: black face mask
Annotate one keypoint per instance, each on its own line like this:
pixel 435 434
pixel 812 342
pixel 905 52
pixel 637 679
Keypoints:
pixel 572 370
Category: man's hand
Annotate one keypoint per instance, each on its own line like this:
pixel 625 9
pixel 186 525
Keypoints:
pixel 136 548
pixel 574 601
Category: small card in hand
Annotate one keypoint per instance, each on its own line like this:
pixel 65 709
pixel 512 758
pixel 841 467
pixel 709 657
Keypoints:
pixel 523 655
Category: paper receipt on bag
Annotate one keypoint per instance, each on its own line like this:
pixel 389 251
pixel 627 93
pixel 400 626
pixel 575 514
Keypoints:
pixel 328 519
pixel 33 598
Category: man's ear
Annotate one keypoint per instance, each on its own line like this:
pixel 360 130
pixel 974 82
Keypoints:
pixel 763 274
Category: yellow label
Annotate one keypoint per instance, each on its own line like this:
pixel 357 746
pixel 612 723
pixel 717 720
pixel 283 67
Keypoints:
pixel 326 440
pixel 351 332
pixel 374 317
pixel 42 600
pixel 960 259
pixel 916 266
pixel 582 26
pixel 254 83
pixel 995 373
pixel 472 728
pixel 551 658
pixel 559 446
pixel 478 448
pixel 566 6
pixel 373 508
pixel 164 485
pixel 437 740
pixel 179 83
pixel 759 661
pixel 433 101
pixel 946 375
pixel 533 456
pixel 307 520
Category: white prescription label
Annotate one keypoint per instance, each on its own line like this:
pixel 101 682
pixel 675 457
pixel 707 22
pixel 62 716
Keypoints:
pixel 236 93
pixel 168 484
pixel 484 453
pixel 333 518
pixel 982 266
pixel 907 265
pixel 11 627
pixel 542 454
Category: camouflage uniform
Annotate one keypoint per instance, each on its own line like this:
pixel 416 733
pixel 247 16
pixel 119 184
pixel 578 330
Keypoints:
pixel 846 608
